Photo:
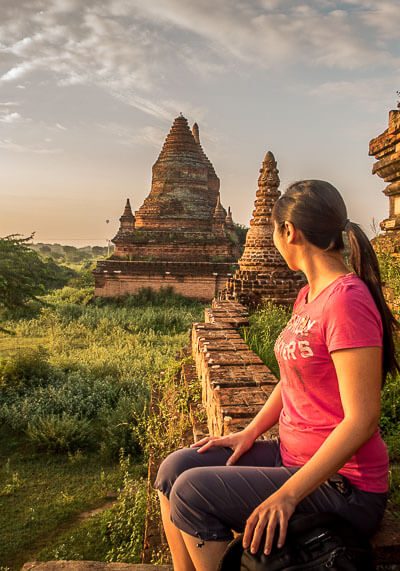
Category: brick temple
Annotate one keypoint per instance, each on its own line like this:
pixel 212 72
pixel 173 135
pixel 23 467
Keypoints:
pixel 386 149
pixel 263 274
pixel 181 236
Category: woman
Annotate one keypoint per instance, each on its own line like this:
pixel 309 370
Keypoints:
pixel 333 355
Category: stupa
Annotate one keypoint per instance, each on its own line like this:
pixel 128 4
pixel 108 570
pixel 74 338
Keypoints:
pixel 263 274
pixel 386 149
pixel 181 236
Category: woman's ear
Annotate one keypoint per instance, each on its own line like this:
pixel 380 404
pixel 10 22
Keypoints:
pixel 290 232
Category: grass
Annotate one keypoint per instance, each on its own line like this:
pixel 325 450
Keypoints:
pixel 82 543
pixel 45 493
pixel 120 347
pixel 265 325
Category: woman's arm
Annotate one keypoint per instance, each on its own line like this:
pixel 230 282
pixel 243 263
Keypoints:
pixel 242 441
pixel 359 373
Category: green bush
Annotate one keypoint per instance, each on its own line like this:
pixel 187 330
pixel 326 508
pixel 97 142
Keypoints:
pixel 390 414
pixel 119 428
pixel 29 367
pixel 265 326
pixel 64 433
pixel 72 295
pixel 164 297
pixel 124 529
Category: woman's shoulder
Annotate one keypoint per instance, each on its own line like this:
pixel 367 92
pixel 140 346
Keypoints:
pixel 349 289
pixel 350 313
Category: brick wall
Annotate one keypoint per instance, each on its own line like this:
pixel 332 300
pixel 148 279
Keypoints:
pixel 235 382
pixel 203 288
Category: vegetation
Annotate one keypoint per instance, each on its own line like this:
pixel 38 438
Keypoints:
pixel 24 275
pixel 71 254
pixel 265 326
pixel 75 378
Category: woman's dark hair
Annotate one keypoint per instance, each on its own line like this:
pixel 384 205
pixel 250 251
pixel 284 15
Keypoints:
pixel 317 209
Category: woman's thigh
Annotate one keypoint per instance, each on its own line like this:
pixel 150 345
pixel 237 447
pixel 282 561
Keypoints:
pixel 262 453
pixel 208 502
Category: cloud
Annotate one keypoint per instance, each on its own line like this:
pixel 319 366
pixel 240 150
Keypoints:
pixel 370 92
pixel 8 145
pixel 10 117
pixel 148 135
pixel 133 50
pixel 17 71
pixel 61 127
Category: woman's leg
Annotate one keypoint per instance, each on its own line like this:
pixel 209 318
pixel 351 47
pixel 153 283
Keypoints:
pixel 208 556
pixel 208 502
pixel 180 556
pixel 262 453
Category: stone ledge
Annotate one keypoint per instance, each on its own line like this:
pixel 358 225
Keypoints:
pixel 91 566
pixel 235 381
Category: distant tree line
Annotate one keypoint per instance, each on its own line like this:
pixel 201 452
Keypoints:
pixel 70 254
pixel 24 274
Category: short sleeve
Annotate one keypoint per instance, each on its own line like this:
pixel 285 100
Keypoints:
pixel 351 319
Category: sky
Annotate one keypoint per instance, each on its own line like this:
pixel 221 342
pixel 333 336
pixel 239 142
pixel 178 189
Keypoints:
pixel 90 88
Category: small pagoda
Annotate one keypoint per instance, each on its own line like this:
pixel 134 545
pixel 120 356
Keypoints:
pixel 181 236
pixel 263 274
pixel 386 149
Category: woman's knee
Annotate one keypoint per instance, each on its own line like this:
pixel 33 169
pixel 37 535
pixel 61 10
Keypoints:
pixel 171 467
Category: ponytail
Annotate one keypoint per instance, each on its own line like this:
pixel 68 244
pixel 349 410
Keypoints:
pixel 317 208
pixel 365 264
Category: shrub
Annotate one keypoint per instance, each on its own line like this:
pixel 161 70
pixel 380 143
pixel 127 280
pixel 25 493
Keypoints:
pixel 60 433
pixel 29 367
pixel 72 295
pixel 71 394
pixel 119 427
pixel 390 414
pixel 124 529
pixel 265 326
pixel 164 297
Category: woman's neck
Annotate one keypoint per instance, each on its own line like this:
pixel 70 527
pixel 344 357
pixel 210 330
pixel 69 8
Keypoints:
pixel 321 269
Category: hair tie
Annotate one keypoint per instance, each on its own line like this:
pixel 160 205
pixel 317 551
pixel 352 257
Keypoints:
pixel 346 225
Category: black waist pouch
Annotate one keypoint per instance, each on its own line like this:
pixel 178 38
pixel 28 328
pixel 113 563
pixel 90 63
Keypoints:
pixel 314 541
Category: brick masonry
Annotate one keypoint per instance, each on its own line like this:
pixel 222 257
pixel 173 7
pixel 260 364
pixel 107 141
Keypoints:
pixel 386 149
pixel 263 274
pixel 181 224
pixel 201 280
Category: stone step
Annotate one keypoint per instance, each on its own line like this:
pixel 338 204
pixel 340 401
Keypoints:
pixel 91 566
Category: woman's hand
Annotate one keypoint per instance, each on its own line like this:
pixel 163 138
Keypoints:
pixel 276 510
pixel 239 442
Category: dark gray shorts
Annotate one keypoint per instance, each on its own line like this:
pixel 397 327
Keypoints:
pixel 209 499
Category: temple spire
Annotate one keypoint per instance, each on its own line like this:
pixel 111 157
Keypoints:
pixel 229 220
pixel 219 218
pixel 263 274
pixel 196 133
pixel 259 252
pixel 127 219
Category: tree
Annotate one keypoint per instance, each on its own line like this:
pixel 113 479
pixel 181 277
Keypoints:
pixel 23 274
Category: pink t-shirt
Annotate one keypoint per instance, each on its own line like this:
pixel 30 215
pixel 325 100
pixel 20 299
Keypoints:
pixel 343 315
